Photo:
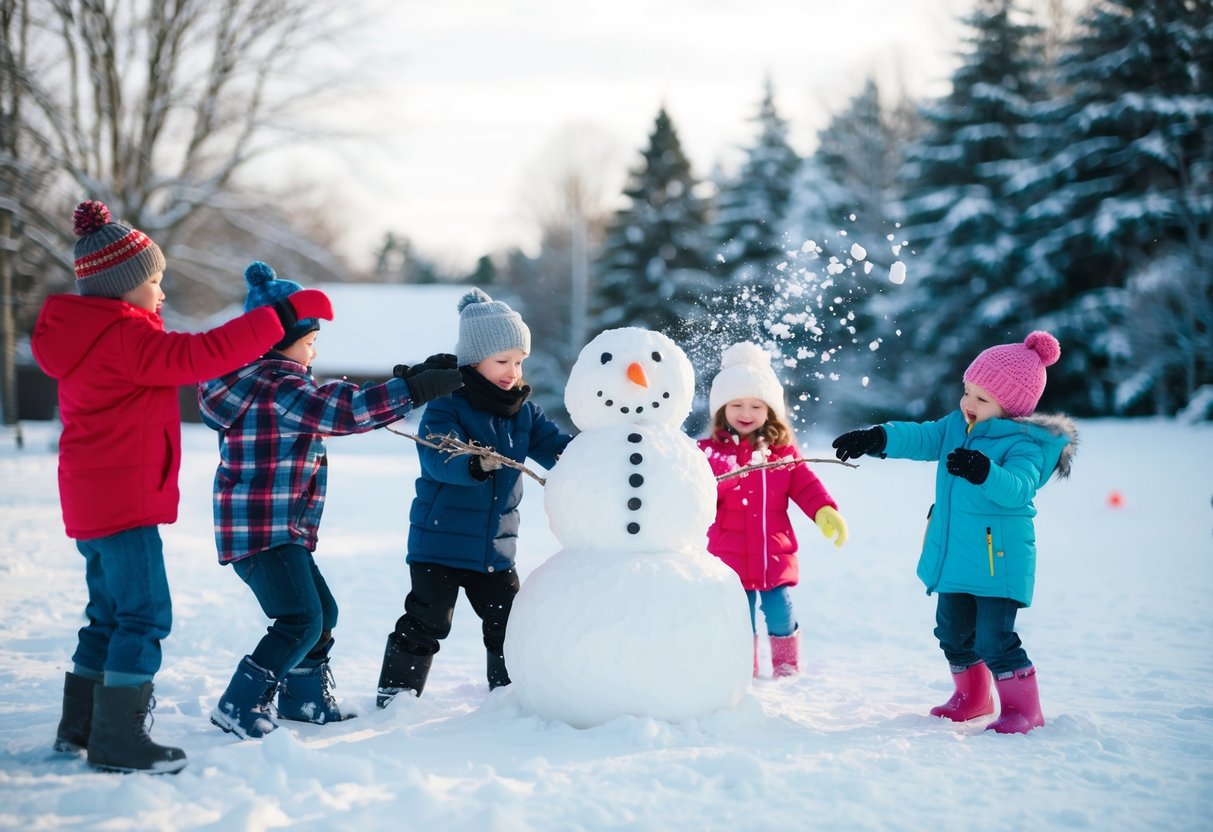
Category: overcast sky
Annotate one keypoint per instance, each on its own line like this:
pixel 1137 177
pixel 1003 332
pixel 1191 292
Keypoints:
pixel 472 93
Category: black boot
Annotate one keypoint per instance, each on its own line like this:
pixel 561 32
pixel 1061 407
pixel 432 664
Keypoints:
pixel 401 671
pixel 77 720
pixel 498 676
pixel 119 740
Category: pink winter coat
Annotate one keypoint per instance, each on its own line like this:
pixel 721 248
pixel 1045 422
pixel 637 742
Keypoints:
pixel 753 532
pixel 118 373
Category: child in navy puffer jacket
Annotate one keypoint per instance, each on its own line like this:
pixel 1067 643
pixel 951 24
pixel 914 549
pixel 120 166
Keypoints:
pixel 463 525
pixel 272 418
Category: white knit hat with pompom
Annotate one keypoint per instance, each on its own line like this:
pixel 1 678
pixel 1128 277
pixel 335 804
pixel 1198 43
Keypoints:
pixel 745 373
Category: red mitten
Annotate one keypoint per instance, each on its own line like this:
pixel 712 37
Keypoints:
pixel 311 303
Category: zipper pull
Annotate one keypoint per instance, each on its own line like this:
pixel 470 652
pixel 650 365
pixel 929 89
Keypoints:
pixel 990 549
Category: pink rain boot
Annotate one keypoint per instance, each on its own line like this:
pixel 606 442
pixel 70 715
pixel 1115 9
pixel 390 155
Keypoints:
pixel 973 697
pixel 785 655
pixel 1020 701
pixel 755 655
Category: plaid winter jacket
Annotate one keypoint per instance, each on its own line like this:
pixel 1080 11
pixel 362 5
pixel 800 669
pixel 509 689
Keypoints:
pixel 272 418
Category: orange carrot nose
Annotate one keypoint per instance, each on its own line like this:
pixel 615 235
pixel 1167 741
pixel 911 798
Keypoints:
pixel 636 375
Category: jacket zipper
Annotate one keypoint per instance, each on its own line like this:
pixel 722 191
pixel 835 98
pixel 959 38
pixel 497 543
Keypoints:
pixel 990 549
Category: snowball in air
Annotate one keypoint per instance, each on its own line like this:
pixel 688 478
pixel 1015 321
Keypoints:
pixel 897 272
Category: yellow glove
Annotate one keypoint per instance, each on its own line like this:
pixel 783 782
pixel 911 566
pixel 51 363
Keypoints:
pixel 831 524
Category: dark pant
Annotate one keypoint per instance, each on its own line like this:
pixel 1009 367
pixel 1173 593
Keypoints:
pixel 971 628
pixel 430 605
pixel 291 590
pixel 129 610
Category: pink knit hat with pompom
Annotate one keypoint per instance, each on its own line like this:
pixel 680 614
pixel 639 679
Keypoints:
pixel 1014 374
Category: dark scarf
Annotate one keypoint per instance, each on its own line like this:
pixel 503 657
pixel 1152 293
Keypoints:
pixel 484 395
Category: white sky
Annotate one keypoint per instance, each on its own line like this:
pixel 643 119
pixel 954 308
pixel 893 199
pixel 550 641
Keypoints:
pixel 471 94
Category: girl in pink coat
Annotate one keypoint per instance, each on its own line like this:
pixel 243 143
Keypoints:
pixel 753 531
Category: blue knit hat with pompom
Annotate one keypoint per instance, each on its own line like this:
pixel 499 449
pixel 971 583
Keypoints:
pixel 265 289
pixel 487 327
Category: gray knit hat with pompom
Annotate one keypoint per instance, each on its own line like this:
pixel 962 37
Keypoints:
pixel 487 327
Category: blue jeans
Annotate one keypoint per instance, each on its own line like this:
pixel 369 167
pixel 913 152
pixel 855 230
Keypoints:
pixel 776 609
pixel 129 610
pixel 972 628
pixel 290 590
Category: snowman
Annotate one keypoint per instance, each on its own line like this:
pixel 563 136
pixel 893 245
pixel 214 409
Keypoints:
pixel 632 616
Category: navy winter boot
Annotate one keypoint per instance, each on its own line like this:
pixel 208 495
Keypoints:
pixel 306 695
pixel 244 708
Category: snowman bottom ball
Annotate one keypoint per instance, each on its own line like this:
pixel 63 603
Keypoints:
pixel 595 635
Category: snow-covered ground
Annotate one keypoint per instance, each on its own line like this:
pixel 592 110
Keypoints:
pixel 1121 634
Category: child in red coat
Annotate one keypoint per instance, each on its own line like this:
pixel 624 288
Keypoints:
pixel 753 532
pixel 119 454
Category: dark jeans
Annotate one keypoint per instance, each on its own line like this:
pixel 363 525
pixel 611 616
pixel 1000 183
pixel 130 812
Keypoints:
pixel 971 628
pixel 129 610
pixel 430 605
pixel 291 590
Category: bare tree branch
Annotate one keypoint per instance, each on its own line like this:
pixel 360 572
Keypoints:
pixel 779 463
pixel 451 444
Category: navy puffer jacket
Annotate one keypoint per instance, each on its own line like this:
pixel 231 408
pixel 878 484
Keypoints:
pixel 457 520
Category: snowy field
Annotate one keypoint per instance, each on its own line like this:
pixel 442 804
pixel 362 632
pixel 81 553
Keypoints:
pixel 1121 633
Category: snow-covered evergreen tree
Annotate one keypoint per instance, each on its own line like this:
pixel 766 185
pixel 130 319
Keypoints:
pixel 1125 185
pixel 651 272
pixel 963 292
pixel 840 221
pixel 751 204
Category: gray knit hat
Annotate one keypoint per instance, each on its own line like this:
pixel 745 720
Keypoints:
pixel 111 258
pixel 487 327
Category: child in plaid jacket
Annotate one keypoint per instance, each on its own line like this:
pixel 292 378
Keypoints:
pixel 269 493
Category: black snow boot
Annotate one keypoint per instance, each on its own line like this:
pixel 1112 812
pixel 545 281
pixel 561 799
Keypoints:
pixel 77 719
pixel 119 740
pixel 498 676
pixel 401 671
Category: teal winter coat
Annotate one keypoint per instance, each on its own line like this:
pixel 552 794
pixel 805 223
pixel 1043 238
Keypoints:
pixel 981 539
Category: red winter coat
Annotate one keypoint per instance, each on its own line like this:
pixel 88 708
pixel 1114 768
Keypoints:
pixel 753 532
pixel 118 373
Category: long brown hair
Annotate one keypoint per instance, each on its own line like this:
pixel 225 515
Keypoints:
pixel 773 431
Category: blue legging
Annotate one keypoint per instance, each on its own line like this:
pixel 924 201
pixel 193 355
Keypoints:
pixel 776 609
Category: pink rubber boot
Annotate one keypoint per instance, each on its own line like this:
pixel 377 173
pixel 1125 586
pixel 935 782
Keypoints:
pixel 785 655
pixel 973 697
pixel 1020 701
pixel 756 655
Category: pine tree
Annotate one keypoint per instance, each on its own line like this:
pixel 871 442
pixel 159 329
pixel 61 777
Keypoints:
pixel 651 270
pixel 1126 183
pixel 841 222
pixel 963 291
pixel 751 205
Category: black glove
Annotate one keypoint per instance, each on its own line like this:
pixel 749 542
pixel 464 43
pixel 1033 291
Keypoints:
pixel 427 385
pixel 974 466
pixel 870 441
pixel 482 467
pixel 438 361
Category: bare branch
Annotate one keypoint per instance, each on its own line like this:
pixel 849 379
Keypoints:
pixel 450 444
pixel 779 463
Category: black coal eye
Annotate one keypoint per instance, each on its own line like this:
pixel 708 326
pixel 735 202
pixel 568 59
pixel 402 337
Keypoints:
pixel 657 356
pixel 606 356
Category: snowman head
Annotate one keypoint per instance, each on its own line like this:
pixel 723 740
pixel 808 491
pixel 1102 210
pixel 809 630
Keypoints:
pixel 629 375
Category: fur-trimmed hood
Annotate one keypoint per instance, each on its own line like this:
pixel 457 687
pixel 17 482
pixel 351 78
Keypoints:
pixel 1057 424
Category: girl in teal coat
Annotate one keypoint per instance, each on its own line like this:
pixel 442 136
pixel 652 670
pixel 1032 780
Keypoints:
pixel 979 551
